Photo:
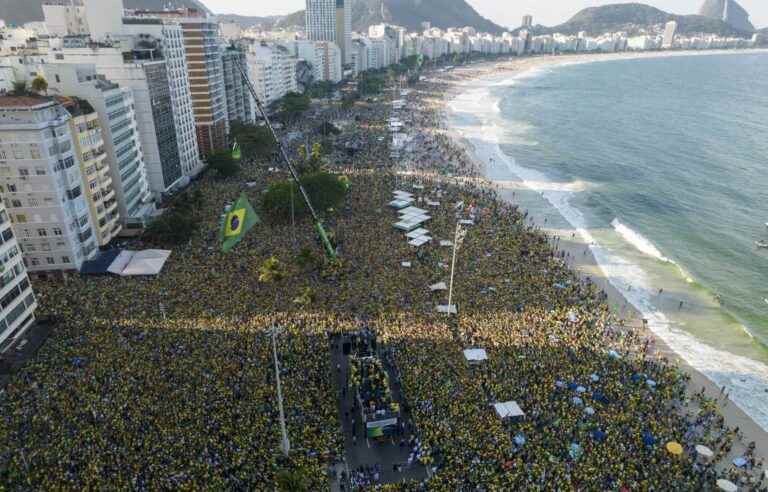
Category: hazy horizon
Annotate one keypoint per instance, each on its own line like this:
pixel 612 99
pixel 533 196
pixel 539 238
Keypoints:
pixel 546 12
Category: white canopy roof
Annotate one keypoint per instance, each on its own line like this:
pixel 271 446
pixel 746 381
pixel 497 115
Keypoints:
pixel 475 355
pixel 400 203
pixel 445 309
pixel 420 241
pixel 417 233
pixel 727 485
pixel 508 409
pixel 446 243
pixel 148 262
pixel 438 286
pixel 413 211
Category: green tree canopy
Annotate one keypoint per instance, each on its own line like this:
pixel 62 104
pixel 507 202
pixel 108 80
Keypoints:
pixel 40 85
pixel 255 142
pixel 325 190
pixel 293 104
pixel 223 163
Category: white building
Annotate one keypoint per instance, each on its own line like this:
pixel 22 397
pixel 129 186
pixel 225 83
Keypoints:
pixel 170 34
pixel 41 181
pixel 331 20
pixel 230 31
pixel 324 58
pixel 104 18
pixel 17 301
pixel 120 132
pixel 670 30
pixel 63 18
pixel 272 71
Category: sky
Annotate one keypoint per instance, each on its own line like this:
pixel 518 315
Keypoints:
pixel 503 12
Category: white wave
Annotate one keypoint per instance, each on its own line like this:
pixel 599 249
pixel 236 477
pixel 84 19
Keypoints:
pixel 638 241
pixel 746 379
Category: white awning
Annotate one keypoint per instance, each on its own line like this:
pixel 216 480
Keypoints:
pixel 148 262
pixel 475 355
pixel 417 233
pixel 438 287
pixel 420 241
pixel 508 409
pixel 444 309
pixel 400 203
pixel 413 211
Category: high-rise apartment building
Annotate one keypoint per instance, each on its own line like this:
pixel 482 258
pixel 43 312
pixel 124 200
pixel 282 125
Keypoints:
pixel 527 21
pixel 64 18
pixel 670 30
pixel 273 71
pixel 94 168
pixel 40 180
pixel 120 131
pixel 145 72
pixel 17 301
pixel 240 106
pixel 171 38
pixel 331 20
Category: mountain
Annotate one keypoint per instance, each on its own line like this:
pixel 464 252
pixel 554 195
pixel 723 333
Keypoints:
pixel 20 11
pixel 635 17
pixel 409 14
pixel 729 11
pixel 248 21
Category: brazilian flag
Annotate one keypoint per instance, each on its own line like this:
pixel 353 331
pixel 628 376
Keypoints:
pixel 239 221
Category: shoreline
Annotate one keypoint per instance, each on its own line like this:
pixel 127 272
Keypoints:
pixel 584 263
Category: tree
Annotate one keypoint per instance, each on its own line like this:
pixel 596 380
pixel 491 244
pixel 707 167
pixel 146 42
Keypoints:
pixel 255 142
pixel 271 270
pixel 293 104
pixel 223 163
pixel 176 226
pixel 292 481
pixel 325 190
pixel 40 85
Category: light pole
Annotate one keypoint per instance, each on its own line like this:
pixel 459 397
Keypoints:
pixel 285 444
pixel 457 240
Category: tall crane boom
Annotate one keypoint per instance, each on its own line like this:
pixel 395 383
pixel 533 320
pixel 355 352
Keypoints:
pixel 329 250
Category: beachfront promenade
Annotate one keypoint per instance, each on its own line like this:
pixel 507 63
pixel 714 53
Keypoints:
pixel 124 396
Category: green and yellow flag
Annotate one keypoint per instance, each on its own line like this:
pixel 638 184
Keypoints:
pixel 238 222
pixel 237 154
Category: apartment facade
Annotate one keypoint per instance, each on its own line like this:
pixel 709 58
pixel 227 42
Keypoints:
pixel 120 131
pixel 17 301
pixel 331 21
pixel 273 71
pixel 41 182
pixel 240 106
pixel 94 168
pixel 64 18
pixel 171 38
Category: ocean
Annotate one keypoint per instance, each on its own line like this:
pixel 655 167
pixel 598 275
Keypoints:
pixel 662 165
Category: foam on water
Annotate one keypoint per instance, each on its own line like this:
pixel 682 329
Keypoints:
pixel 638 241
pixel 746 379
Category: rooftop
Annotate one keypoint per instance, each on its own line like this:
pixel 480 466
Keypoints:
pixel 24 101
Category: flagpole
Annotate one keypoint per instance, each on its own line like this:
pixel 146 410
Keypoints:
pixel 285 445
pixel 453 267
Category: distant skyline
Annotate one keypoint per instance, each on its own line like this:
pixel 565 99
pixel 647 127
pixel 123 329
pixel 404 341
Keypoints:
pixel 502 12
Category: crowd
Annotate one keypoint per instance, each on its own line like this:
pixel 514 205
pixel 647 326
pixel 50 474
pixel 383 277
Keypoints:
pixel 168 382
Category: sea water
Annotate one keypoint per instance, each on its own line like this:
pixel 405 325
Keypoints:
pixel 661 167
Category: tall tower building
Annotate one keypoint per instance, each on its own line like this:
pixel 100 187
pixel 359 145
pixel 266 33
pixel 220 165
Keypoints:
pixel 331 20
pixel 527 21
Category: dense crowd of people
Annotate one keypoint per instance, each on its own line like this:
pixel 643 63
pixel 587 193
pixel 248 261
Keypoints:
pixel 168 382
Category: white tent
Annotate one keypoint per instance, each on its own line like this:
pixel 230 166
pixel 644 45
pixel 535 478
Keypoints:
pixel 475 355
pixel 444 309
pixel 508 409
pixel 412 211
pixel 727 485
pixel 400 203
pixel 438 287
pixel 420 241
pixel 417 233
pixel 148 262
pixel 446 243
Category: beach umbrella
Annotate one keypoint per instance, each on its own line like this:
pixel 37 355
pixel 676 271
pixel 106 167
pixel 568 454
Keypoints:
pixel 648 439
pixel 559 384
pixel 519 439
pixel 599 397
pixel 589 411
pixel 594 377
pixel 704 451
pixel 651 383
pixel 572 386
pixel 599 435
pixel 575 451
pixel 726 485
pixel 577 401
pixel 581 389
pixel 740 461
pixel 674 448
pixel 613 354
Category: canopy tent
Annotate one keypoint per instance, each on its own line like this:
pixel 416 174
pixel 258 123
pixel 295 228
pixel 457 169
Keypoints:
pixel 438 287
pixel 446 243
pixel 420 241
pixel 417 233
pixel 445 310
pixel 400 203
pixel 100 264
pixel 508 409
pixel 467 222
pixel 407 225
pixel 132 263
pixel 727 485
pixel 704 452
pixel 475 355
pixel 412 211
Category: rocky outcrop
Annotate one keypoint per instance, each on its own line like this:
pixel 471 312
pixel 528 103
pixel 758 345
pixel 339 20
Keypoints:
pixel 728 11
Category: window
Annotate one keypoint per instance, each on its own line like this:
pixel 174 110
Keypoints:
pixel 11 188
pixel 65 259
pixel 59 56
pixel 51 261
pixel 33 202
pixel 42 233
pixel 23 171
pixel 57 231
pixel 40 171
pixel 7 234
pixel 21 218
pixel 35 262
pixel 15 203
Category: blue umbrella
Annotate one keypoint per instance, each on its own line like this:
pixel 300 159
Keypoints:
pixel 577 401
pixel 599 397
pixel 559 384
pixel 599 435
pixel 594 377
pixel 519 439
pixel 636 377
pixel 575 451
pixel 740 461
pixel 581 389
pixel 613 354
pixel 648 439
pixel 572 386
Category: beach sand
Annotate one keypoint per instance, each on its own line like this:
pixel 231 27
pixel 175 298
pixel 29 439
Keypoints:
pixel 586 264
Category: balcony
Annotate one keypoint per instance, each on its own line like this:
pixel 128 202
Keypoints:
pixel 109 196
